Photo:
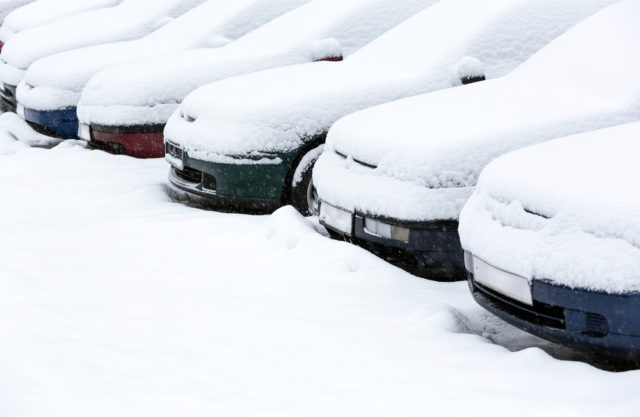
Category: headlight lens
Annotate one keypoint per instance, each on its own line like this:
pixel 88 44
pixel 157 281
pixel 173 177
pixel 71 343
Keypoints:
pixel 385 230
pixel 84 131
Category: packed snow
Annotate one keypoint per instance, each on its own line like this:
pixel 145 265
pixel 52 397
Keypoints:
pixel 564 211
pixel 117 301
pixel 55 82
pixel 429 150
pixel 7 6
pixel 290 105
pixel 41 12
pixel 131 19
pixel 148 92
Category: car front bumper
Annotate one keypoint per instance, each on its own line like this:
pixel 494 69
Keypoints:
pixel 432 249
pixel 142 141
pixel 250 186
pixel 61 123
pixel 8 99
pixel 586 320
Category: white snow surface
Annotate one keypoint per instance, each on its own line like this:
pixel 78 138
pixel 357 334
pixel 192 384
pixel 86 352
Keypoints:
pixel 118 302
pixel 150 91
pixel 292 104
pixel 56 81
pixel 7 6
pixel 430 149
pixel 130 19
pixel 41 12
pixel 565 210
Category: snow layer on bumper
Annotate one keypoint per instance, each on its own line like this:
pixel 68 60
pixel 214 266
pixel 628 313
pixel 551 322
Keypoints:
pixel 351 186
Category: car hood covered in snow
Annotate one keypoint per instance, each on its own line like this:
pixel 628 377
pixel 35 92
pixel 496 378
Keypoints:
pixel 565 210
pixel 129 20
pixel 288 106
pixel 7 6
pixel 44 11
pixel 149 91
pixel 56 81
pixel 441 141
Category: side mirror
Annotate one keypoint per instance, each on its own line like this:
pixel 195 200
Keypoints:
pixel 468 70
pixel 326 50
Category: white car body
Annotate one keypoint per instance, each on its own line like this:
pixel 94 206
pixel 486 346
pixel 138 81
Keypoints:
pixel 292 105
pixel 130 19
pixel 148 92
pixel 41 12
pixel 564 211
pixel 418 159
pixel 56 81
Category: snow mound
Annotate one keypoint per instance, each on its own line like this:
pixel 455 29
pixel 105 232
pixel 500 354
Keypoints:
pixel 16 134
pixel 563 210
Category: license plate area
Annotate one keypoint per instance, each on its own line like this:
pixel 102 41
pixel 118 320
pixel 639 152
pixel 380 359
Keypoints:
pixel 336 218
pixel 503 282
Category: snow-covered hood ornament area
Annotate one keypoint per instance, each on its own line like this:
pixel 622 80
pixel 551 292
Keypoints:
pixel 565 211
pixel 442 141
pixel 296 103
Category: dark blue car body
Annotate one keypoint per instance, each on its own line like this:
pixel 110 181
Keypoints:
pixel 598 322
pixel 61 123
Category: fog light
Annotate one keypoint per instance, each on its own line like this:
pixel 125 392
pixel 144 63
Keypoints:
pixel 84 131
pixel 386 231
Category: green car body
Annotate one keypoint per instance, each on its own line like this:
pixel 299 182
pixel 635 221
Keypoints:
pixel 255 183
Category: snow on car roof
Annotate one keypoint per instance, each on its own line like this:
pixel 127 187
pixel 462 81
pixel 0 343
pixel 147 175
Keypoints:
pixel 7 6
pixel 213 23
pixel 565 210
pixel 129 20
pixel 444 139
pixel 45 11
pixel 318 29
pixel 290 105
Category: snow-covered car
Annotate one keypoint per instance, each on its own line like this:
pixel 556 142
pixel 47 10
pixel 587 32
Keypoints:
pixel 6 7
pixel 552 240
pixel 226 150
pixel 128 105
pixel 130 19
pixel 52 85
pixel 41 12
pixel 394 178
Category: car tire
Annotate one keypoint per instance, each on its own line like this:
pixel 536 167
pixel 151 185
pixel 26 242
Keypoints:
pixel 303 196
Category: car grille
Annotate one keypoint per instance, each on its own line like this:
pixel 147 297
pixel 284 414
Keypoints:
pixel 173 150
pixel 189 175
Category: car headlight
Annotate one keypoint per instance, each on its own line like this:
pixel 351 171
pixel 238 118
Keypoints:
pixel 385 230
pixel 20 111
pixel 84 131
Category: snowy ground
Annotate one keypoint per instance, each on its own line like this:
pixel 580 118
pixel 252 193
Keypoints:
pixel 115 301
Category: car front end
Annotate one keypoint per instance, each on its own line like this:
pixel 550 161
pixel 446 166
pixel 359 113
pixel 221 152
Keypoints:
pixel 251 182
pixel 393 218
pixel 550 240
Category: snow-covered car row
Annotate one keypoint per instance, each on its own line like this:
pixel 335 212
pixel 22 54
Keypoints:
pixel 413 99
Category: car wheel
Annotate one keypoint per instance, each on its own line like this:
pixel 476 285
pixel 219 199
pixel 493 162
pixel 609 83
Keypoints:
pixel 303 194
